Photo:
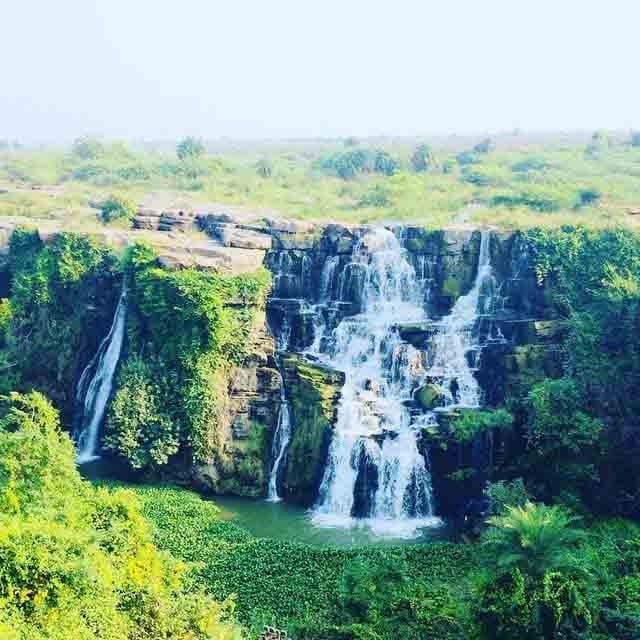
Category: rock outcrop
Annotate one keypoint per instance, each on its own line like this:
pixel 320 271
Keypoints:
pixel 313 392
pixel 315 284
pixel 247 418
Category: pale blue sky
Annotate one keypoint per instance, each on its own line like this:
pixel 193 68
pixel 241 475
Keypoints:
pixel 274 68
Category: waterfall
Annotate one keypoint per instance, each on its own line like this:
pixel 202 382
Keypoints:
pixel 456 349
pixel 281 439
pixel 375 469
pixel 96 382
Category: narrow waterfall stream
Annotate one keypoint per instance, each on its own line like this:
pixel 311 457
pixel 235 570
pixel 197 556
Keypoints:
pixel 456 349
pixel 94 387
pixel 281 439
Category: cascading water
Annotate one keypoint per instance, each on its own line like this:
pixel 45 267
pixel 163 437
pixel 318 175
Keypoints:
pixel 281 439
pixel 96 382
pixel 375 469
pixel 456 349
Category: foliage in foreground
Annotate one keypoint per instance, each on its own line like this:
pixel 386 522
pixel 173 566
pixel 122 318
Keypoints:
pixel 542 577
pixel 551 580
pixel 79 562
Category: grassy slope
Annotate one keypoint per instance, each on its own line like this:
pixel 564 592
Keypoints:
pixel 556 173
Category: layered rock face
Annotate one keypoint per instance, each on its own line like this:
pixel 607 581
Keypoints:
pixel 247 416
pixel 317 283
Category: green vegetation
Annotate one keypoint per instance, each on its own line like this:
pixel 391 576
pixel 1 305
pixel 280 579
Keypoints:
pixel 62 300
pixel 423 158
pixel 308 589
pixel 471 423
pixel 506 183
pixel 116 208
pixel 80 562
pixel 172 384
pixel 580 429
pixel 541 578
pixel 190 148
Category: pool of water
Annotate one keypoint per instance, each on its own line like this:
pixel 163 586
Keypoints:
pixel 282 521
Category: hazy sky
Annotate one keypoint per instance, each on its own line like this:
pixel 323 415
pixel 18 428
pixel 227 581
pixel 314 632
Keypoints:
pixel 283 68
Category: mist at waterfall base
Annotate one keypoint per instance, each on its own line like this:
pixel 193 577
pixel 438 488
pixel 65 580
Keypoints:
pixel 377 475
pixel 95 386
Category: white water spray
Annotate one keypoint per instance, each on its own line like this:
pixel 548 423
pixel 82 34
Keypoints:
pixel 373 435
pixel 456 350
pixel 93 392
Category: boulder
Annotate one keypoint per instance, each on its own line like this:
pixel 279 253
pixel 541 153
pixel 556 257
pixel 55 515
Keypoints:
pixel 429 396
pixel 233 236
pixel 289 226
pixel 417 333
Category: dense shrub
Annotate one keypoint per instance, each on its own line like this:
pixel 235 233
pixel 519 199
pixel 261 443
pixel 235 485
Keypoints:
pixel 117 207
pixel 348 164
pixel 562 441
pixel 376 197
pixel 79 562
pixel 172 385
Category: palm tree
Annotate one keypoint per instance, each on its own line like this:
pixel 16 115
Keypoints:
pixel 534 538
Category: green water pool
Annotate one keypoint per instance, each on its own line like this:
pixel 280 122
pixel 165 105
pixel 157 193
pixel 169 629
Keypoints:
pixel 282 521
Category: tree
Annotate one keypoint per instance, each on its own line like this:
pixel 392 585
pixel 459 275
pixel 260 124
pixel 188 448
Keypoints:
pixel 351 142
pixel 190 148
pixel 538 591
pixel 466 158
pixel 485 146
pixel 36 460
pixel 561 439
pixel 138 426
pixel 87 148
pixel 422 158
pixel 79 562
pixel 635 139
pixel 264 168
pixel 385 164
pixel 533 538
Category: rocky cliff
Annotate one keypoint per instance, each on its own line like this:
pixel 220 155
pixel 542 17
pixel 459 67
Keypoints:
pixel 315 285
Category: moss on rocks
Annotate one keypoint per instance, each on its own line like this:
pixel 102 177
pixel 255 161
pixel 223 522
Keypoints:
pixel 313 392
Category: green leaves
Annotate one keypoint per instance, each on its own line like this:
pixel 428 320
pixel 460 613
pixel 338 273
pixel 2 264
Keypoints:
pixel 471 423
pixel 62 299
pixel 77 561
pixel 534 538
pixel 187 329
pixel 139 426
